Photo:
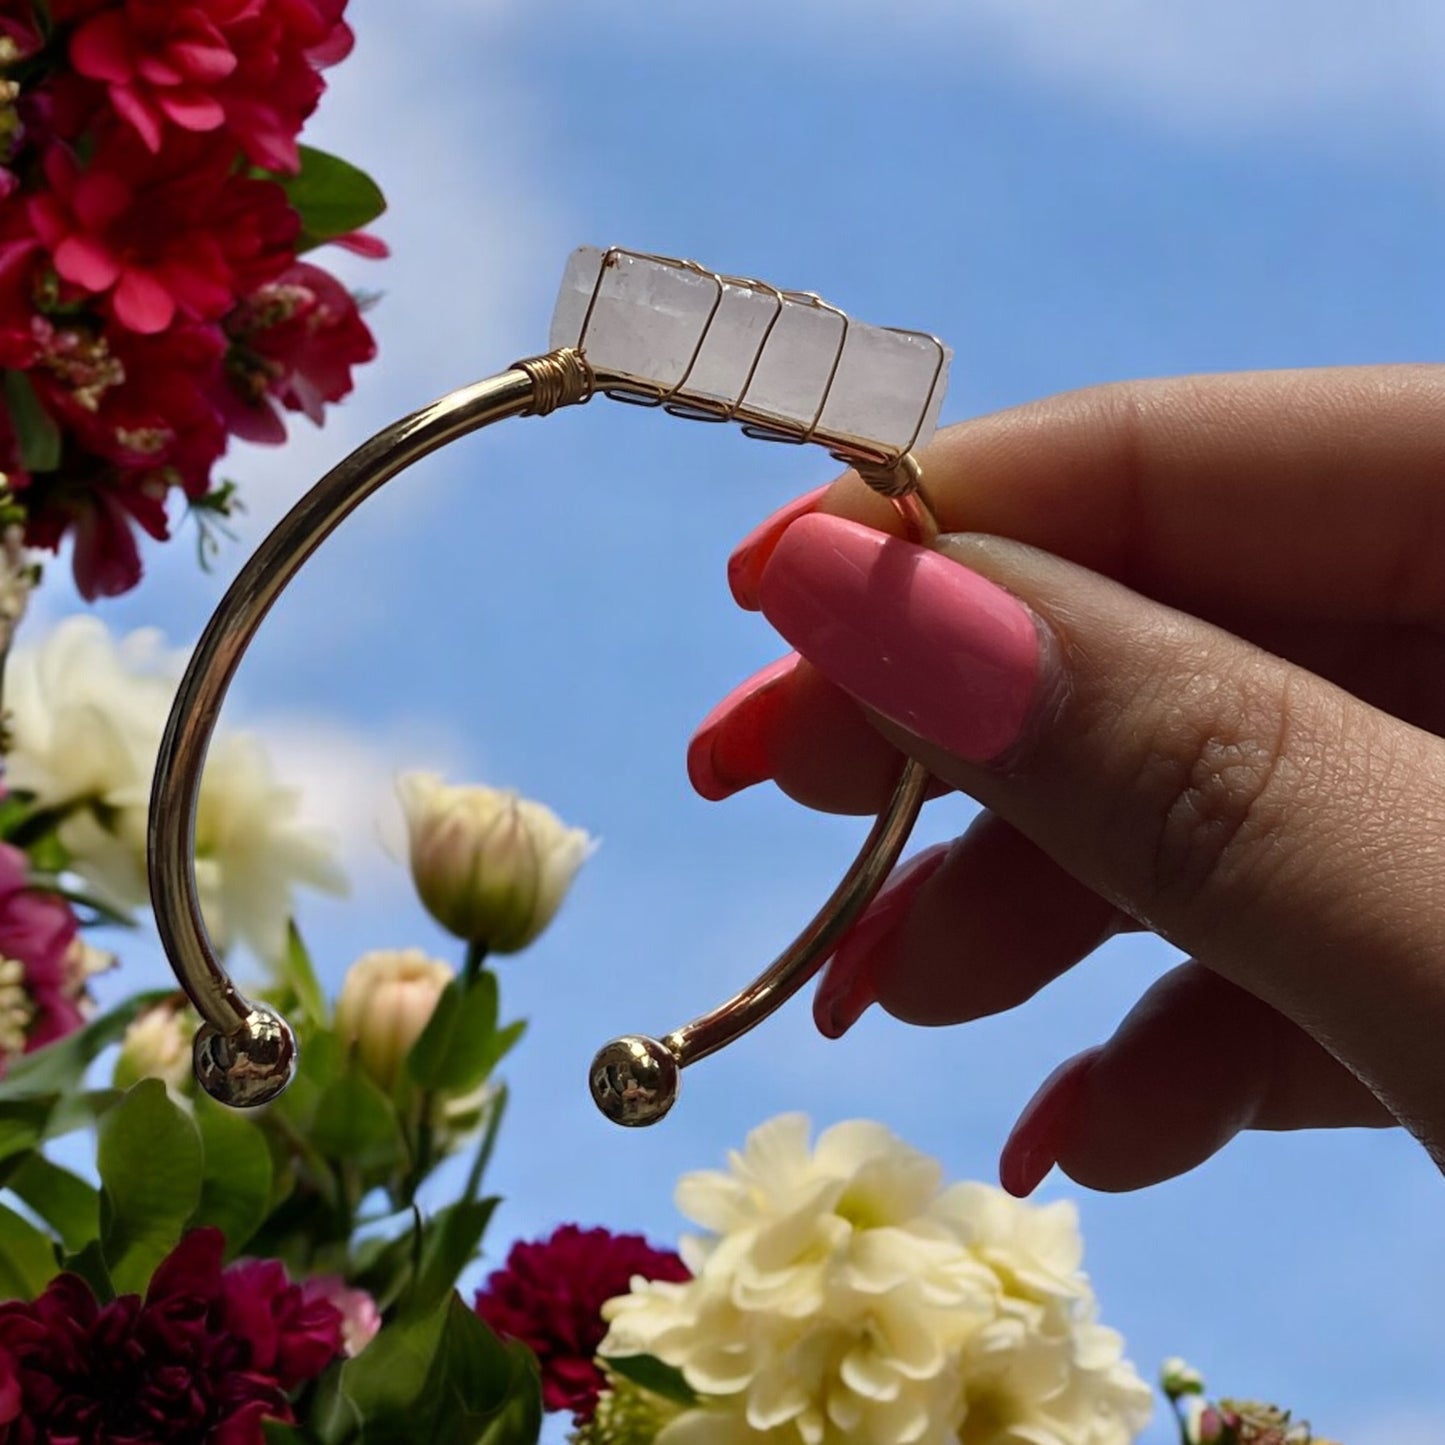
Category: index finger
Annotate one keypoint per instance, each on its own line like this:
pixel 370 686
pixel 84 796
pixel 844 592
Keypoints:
pixel 1314 493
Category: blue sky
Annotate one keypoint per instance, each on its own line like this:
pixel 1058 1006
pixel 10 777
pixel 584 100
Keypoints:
pixel 1068 193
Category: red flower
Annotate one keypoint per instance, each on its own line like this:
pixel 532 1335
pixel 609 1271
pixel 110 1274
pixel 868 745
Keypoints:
pixel 160 61
pixel 206 1357
pixel 294 342
pixel 550 1296
pixel 141 231
pixel 280 46
pixel 143 415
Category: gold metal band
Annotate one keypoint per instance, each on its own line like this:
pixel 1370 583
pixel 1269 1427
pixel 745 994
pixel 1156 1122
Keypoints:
pixel 245 1053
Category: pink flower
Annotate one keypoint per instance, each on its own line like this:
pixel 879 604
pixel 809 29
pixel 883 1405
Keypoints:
pixel 293 343
pixel 43 1000
pixel 360 1318
pixel 160 61
pixel 206 1356
pixel 550 1296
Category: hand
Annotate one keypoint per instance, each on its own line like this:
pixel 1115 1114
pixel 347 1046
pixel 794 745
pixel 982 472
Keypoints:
pixel 1185 642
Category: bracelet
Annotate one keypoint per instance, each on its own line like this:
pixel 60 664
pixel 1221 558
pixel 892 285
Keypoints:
pixel 642 329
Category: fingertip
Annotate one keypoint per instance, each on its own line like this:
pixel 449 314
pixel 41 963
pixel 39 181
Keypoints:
pixel 750 559
pixel 731 749
pixel 1042 1132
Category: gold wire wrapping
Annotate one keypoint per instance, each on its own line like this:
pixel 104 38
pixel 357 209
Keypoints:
pixel 559 378
pixel 889 471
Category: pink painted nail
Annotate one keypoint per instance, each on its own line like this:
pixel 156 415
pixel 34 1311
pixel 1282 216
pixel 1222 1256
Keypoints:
pixel 745 566
pixel 1034 1145
pixel 847 989
pixel 729 750
pixel 934 647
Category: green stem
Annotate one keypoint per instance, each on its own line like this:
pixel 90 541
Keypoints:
pixel 476 957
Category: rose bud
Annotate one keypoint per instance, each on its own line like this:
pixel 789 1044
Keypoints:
pixel 490 866
pixel 387 999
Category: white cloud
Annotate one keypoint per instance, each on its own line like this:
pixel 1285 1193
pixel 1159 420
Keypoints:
pixel 1227 65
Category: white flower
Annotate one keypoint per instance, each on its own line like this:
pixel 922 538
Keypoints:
pixel 387 999
pixel 843 1295
pixel 251 848
pixel 157 1045
pixel 491 867
pixel 86 716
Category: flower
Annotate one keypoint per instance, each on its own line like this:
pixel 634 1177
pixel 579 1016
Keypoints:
pixel 490 866
pixel 159 60
pixel 157 1045
pixel 550 1296
pixel 43 977
pixel 387 998
pixel 207 1355
pixel 252 849
pixel 294 342
pixel 360 1317
pixel 87 713
pixel 626 1414
pixel 843 1294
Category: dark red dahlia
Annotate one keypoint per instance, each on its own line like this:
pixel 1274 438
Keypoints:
pixel 550 1296
pixel 206 1356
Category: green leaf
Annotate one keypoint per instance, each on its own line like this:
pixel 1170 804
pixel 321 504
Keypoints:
pixel 237 1178
pixel 332 197
pixel 276 1432
pixel 384 1268
pixel 356 1123
pixel 23 1122
pixel 442 1375
pixel 15 808
pixel 652 1374
pixel 456 1049
pixel 450 1243
pixel 321 1062
pixel 27 1257
pixel 35 428
pixel 519 1421
pixel 60 1067
pixel 69 1205
pixel 389 1377
pixel 474 1379
pixel 299 974
pixel 151 1162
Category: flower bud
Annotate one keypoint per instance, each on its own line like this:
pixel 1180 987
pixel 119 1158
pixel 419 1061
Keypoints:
pixel 387 999
pixel 491 867
pixel 157 1045
pixel 1178 1377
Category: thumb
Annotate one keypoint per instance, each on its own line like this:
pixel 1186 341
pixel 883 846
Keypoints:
pixel 1278 829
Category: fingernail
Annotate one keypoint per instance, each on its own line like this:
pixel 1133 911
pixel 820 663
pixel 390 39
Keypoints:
pixel 936 648
pixel 729 750
pixel 847 990
pixel 1034 1145
pixel 745 566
